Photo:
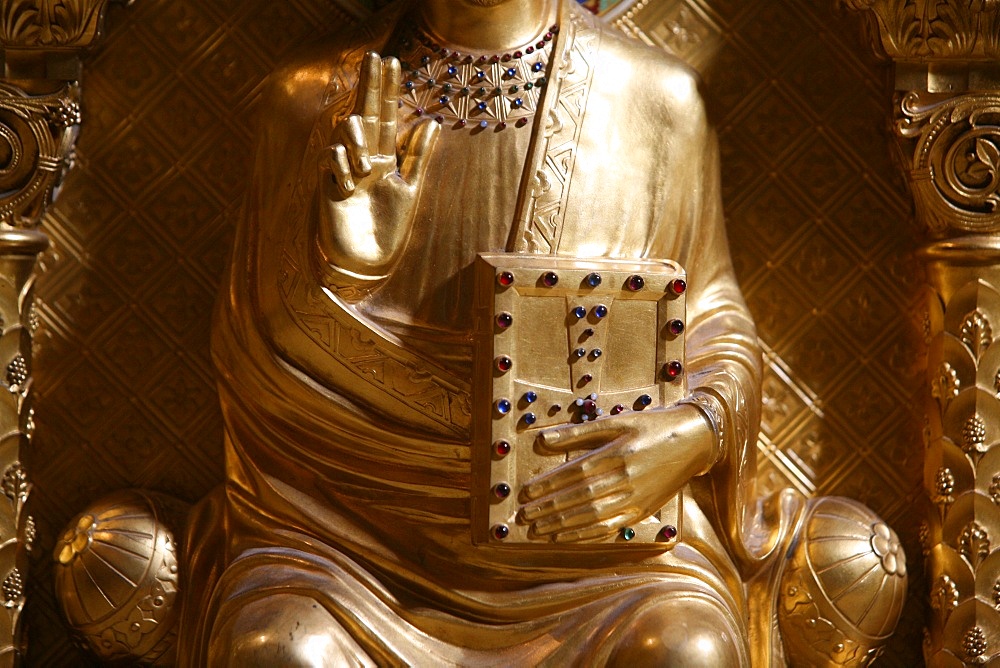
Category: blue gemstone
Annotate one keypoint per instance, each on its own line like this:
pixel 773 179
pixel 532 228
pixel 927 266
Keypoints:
pixel 444 99
pixel 480 75
pixel 483 124
pixel 594 280
pixel 596 352
pixel 537 67
pixel 409 85
pixel 579 311
pixel 518 102
pixel 579 352
pixel 481 106
pixel 425 60
pixel 452 70
pixel 511 72
pixel 645 400
pixel 601 310
pixel 530 397
pixel 529 418
pixel 503 406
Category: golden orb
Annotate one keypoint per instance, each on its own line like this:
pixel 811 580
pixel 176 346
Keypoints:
pixel 116 578
pixel 844 587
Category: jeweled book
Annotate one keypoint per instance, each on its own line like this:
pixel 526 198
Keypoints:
pixel 566 341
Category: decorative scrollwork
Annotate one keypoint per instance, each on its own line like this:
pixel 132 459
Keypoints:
pixel 37 134
pixel 955 172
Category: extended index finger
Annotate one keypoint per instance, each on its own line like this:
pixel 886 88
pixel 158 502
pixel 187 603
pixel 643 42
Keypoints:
pixel 579 436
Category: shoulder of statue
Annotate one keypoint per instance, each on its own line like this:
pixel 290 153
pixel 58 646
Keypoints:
pixel 322 74
pixel 659 78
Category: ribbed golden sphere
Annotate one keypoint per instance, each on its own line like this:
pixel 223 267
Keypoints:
pixel 844 587
pixel 116 578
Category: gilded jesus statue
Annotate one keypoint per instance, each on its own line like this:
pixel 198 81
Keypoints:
pixel 390 157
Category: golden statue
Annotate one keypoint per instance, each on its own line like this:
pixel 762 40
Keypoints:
pixel 490 387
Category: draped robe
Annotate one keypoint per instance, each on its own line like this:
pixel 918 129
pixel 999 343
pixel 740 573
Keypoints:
pixel 346 411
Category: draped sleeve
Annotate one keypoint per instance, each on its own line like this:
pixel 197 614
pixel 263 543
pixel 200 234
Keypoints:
pixel 724 362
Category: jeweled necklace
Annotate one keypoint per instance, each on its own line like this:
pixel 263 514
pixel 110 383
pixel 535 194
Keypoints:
pixel 474 90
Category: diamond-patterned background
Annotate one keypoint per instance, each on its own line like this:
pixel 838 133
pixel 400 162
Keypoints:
pixel 819 223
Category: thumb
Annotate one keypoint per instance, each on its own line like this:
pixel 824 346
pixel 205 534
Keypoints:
pixel 418 150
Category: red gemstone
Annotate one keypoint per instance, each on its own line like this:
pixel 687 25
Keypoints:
pixel 678 286
pixel 586 378
pixel 550 279
pixel 530 50
pixel 548 36
pixel 505 278
pixel 502 448
pixel 504 363
pixel 635 283
pixel 502 490
pixel 676 327
pixel 669 532
pixel 521 122
pixel 541 45
pixel 619 408
pixel 505 57
pixel 505 320
pixel 501 531
pixel 502 125
pixel 518 54
pixel 674 369
pixel 589 406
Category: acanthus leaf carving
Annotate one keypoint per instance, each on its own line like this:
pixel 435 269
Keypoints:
pixel 974 544
pixel 932 29
pixel 946 385
pixel 51 23
pixel 977 333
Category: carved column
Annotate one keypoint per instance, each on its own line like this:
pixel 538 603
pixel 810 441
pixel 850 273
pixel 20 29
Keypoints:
pixel 947 124
pixel 39 121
